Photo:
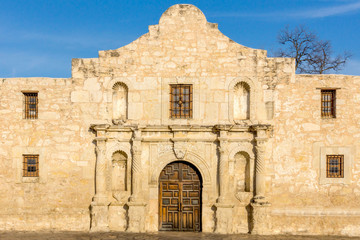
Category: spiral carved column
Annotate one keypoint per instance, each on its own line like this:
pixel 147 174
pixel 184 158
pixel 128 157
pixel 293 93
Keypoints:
pixel 99 205
pixel 136 173
pixel 224 207
pixel 260 168
pixel 136 211
pixel 136 166
pixel 260 204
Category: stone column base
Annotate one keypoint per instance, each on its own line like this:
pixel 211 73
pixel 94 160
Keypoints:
pixel 224 218
pixel 259 217
pixel 99 218
pixel 136 215
pixel 117 217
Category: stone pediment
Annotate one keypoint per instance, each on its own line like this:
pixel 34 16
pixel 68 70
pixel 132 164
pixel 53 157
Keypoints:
pixel 183 16
pixel 182 26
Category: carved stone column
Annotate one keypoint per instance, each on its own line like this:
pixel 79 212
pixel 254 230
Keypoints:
pixel 260 168
pixel 223 205
pixel 259 203
pixel 223 167
pixel 99 205
pixel 136 211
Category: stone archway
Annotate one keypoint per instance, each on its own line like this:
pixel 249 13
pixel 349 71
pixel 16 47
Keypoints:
pixel 180 187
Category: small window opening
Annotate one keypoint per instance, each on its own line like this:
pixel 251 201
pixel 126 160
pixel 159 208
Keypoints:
pixel 31 166
pixel 334 166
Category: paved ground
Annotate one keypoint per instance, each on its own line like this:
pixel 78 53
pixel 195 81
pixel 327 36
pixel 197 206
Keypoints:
pixel 152 236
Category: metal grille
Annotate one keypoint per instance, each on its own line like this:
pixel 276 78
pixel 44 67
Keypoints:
pixel 335 166
pixel 328 103
pixel 31 105
pixel 31 166
pixel 181 101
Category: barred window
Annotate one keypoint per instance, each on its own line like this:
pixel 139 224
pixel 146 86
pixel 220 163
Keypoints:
pixel 328 103
pixel 181 101
pixel 31 105
pixel 31 166
pixel 334 166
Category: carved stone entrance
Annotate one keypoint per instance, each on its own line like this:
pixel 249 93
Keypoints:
pixel 180 198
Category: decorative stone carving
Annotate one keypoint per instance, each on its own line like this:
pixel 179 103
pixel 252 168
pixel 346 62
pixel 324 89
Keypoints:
pixel 136 165
pixel 244 197
pixel 180 149
pixel 119 121
pixel 165 148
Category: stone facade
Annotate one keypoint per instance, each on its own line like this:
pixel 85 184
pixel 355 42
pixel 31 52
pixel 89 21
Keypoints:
pixel 256 137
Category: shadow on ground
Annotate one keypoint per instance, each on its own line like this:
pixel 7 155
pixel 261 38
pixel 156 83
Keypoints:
pixel 152 236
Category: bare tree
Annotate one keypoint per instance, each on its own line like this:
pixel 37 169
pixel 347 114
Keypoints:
pixel 311 54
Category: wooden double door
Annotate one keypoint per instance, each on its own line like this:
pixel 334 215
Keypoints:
pixel 179 198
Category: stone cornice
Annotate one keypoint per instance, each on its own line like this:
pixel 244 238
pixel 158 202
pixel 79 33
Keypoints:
pixel 181 128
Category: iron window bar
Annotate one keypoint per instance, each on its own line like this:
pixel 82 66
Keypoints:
pixel 328 103
pixel 31 105
pixel 181 101
pixel 31 166
pixel 334 166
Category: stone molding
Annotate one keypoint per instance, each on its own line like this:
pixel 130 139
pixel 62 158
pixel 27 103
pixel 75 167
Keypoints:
pixel 191 157
pixel 316 212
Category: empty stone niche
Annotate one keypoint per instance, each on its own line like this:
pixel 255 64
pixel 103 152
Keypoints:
pixel 243 176
pixel 241 101
pixel 120 101
pixel 119 175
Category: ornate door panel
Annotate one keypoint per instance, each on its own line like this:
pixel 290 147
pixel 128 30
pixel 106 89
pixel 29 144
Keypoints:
pixel 180 198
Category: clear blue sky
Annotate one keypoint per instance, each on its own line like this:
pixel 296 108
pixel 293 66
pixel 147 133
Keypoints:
pixel 40 37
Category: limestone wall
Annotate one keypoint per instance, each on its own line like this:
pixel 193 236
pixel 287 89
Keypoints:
pixel 59 198
pixel 301 138
pixel 182 49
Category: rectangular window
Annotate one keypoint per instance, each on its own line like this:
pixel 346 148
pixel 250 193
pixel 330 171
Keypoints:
pixel 181 101
pixel 328 104
pixel 31 166
pixel 31 105
pixel 334 166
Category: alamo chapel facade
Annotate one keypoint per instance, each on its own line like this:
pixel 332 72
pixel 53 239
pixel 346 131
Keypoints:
pixel 183 130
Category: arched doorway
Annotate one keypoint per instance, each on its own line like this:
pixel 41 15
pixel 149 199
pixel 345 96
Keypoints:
pixel 180 187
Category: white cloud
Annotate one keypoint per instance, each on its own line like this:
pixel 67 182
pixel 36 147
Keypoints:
pixel 328 11
pixel 347 8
